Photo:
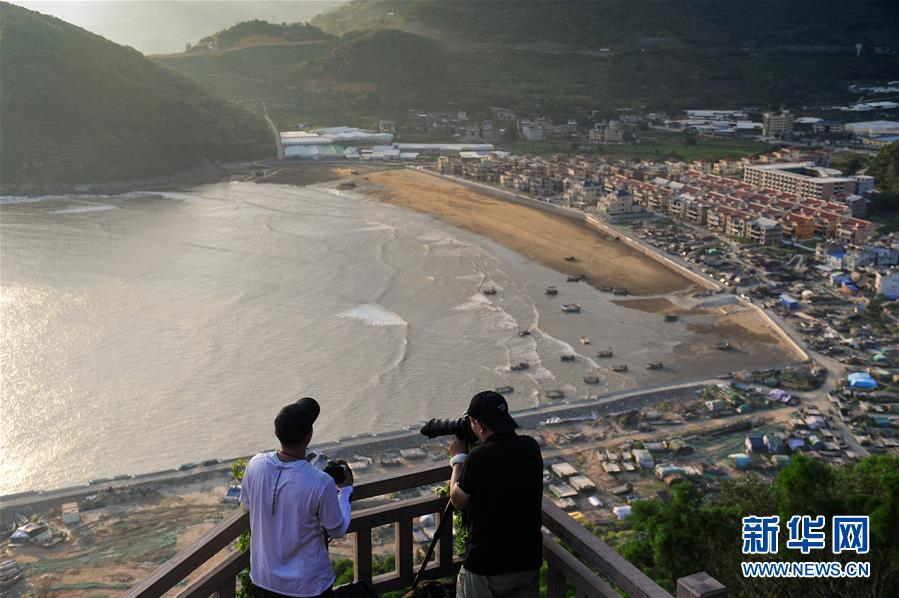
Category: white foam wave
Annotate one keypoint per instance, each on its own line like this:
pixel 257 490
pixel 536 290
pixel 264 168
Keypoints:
pixel 6 200
pixel 375 226
pixel 373 315
pixel 476 301
pixel 81 209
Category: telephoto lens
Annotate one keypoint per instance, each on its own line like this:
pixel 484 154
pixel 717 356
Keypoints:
pixel 446 427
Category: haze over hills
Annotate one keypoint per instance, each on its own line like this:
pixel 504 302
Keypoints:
pixel 154 26
pixel 593 23
pixel 561 58
pixel 76 108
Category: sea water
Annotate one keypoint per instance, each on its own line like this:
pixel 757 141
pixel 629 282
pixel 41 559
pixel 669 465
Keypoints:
pixel 147 330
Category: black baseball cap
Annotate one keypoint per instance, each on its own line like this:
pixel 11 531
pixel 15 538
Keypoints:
pixel 491 409
pixel 294 421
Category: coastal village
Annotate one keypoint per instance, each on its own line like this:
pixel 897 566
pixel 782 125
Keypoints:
pixel 781 231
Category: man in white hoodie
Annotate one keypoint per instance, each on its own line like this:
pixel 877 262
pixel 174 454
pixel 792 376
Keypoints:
pixel 292 505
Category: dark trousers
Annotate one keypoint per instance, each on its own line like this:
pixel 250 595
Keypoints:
pixel 269 594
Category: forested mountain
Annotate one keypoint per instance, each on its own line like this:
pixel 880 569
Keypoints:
pixel 76 108
pixel 561 58
pixel 256 32
pixel 598 23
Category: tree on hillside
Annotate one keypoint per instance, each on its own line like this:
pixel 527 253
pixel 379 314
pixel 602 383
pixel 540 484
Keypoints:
pixel 694 532
pixel 849 163
pixel 885 168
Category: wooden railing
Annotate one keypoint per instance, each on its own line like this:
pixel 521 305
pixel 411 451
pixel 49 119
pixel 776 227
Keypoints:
pixel 577 568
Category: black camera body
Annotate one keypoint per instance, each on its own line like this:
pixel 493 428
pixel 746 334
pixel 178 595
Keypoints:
pixel 444 427
pixel 336 468
pixel 339 470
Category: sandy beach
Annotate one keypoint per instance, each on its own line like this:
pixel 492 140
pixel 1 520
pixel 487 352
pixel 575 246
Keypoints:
pixel 540 236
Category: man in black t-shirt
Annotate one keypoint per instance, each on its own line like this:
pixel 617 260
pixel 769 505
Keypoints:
pixel 499 488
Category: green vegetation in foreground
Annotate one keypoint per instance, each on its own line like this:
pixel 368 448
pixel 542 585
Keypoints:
pixel 77 109
pixel 653 146
pixel 696 532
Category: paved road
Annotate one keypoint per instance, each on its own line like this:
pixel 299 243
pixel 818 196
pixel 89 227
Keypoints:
pixel 275 132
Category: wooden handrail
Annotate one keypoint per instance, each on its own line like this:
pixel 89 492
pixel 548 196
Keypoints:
pixel 599 554
pixel 238 521
pixel 564 566
pixel 219 577
pixel 190 558
pixel 588 551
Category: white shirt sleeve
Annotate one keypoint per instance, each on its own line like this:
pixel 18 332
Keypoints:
pixel 336 511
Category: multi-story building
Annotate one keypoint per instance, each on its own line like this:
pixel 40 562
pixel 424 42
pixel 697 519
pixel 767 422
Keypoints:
pixel 888 284
pixel 607 132
pixel 778 125
pixel 765 231
pixel 617 206
pixel 798 227
pixel 802 178
pixel 855 230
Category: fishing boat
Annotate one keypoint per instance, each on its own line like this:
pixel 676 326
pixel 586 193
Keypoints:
pixel 585 340
pixel 657 365
pixel 551 291
pixel 577 277
pixel 591 379
pixel 555 394
pixel 671 317
pixel 567 357
pixel 517 367
pixel 606 353
pixel 605 289
pixel 619 368
pixel 504 390
pixel 725 346
pixel 571 308
pixel 347 185
pixel 617 291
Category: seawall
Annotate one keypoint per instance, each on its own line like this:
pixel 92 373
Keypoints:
pixel 371 445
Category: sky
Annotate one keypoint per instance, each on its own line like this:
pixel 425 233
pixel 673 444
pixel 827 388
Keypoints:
pixel 166 26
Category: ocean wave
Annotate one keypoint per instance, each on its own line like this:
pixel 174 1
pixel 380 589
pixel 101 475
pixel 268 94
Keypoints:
pixel 373 315
pixel 6 200
pixel 81 209
pixel 476 301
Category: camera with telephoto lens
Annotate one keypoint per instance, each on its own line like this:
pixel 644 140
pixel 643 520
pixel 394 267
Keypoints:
pixel 336 468
pixel 444 427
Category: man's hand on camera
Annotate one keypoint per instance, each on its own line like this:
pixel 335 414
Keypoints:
pixel 348 478
pixel 457 446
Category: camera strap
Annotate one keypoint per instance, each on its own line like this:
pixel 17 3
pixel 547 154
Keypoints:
pixel 446 516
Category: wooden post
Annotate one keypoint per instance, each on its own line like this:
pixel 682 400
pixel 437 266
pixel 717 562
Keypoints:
pixel 555 583
pixel 229 590
pixel 700 585
pixel 403 548
pixel 362 555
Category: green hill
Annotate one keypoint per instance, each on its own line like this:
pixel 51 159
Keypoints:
pixel 560 58
pixel 260 32
pixel 76 108
pixel 596 23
